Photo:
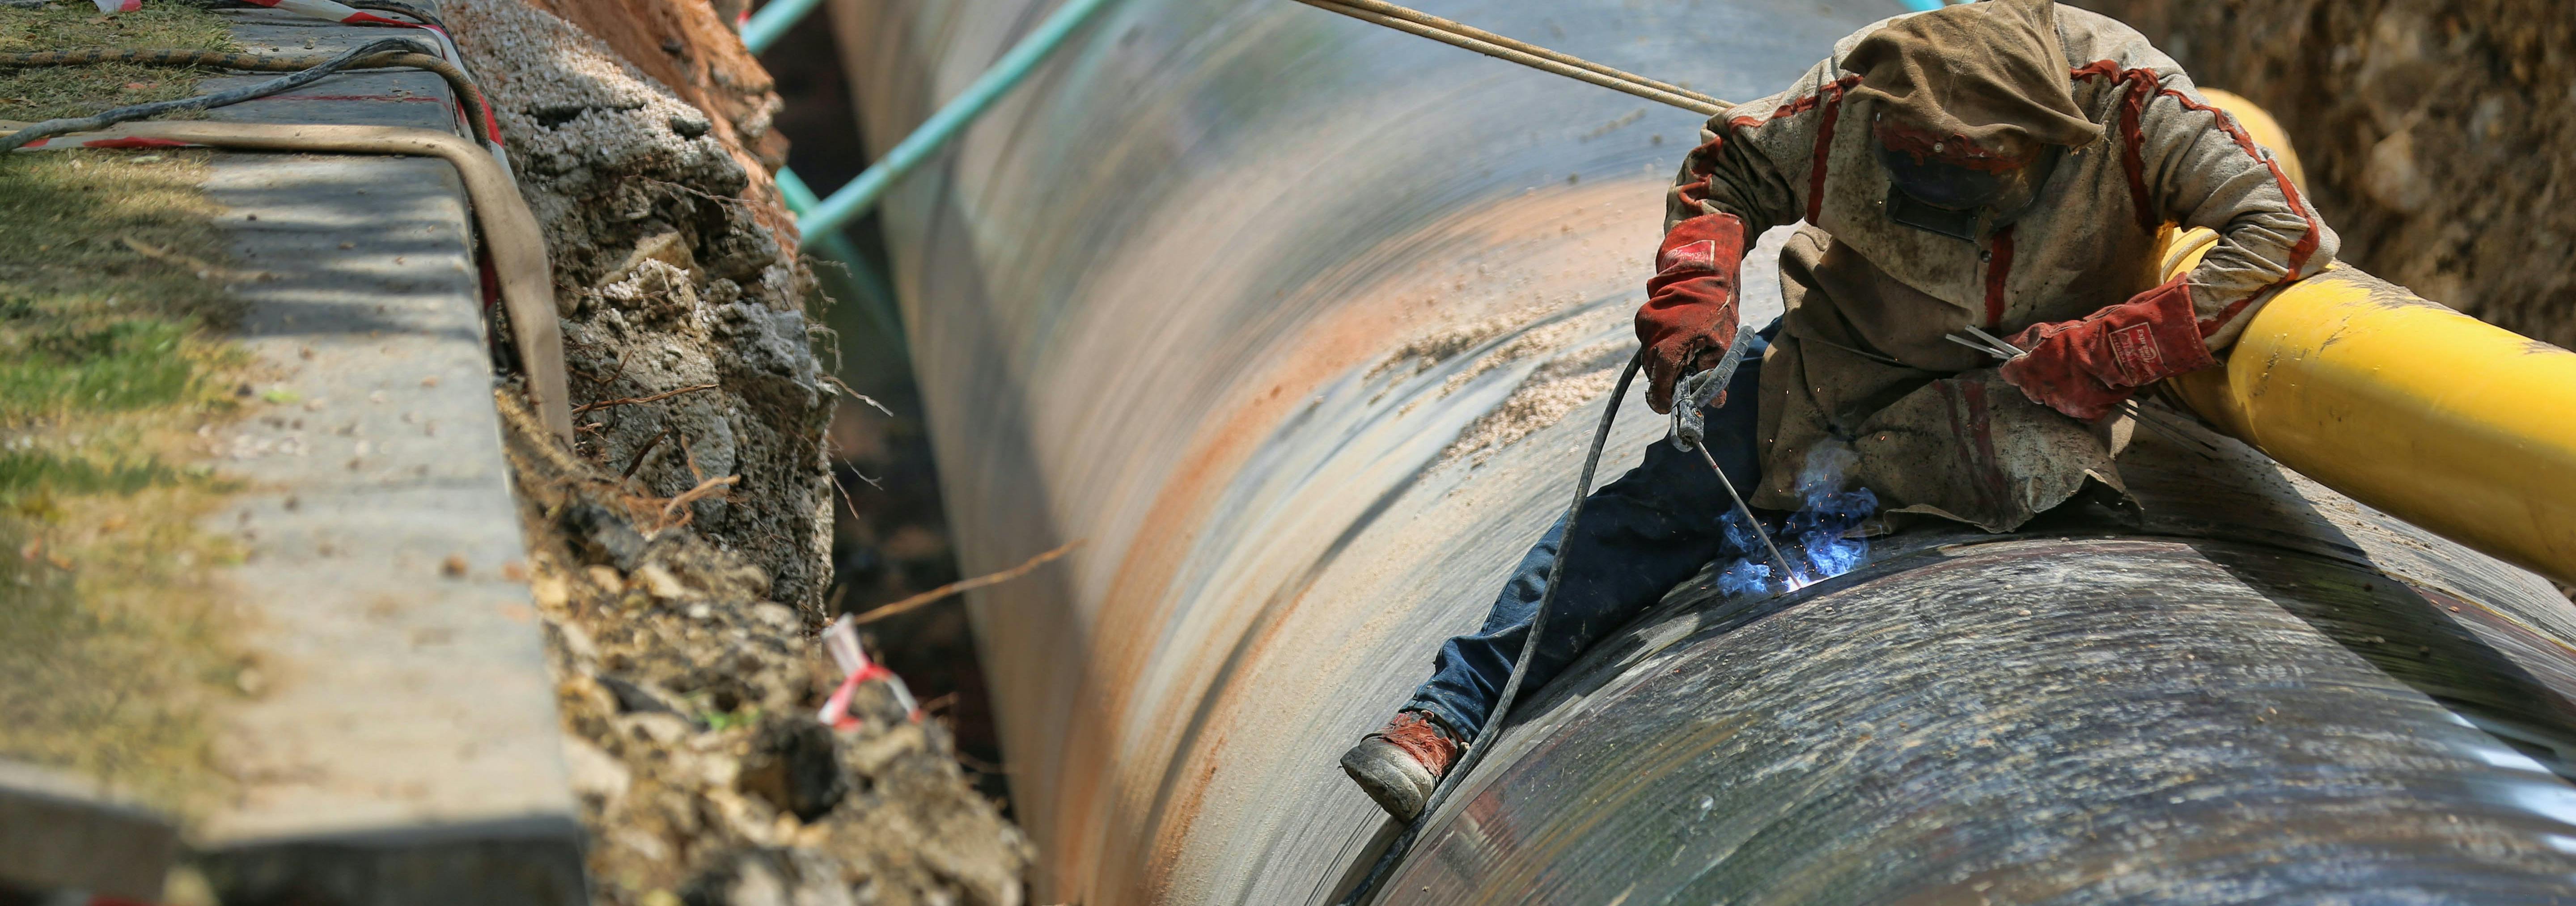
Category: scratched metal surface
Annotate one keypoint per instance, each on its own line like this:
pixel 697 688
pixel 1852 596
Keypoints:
pixel 2100 713
pixel 1147 299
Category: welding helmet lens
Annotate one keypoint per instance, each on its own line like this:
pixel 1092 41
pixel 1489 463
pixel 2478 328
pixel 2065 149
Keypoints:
pixel 1947 185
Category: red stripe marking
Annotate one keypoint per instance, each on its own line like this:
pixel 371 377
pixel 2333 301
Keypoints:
pixel 1702 159
pixel 2140 85
pixel 133 141
pixel 355 97
pixel 491 123
pixel 1824 147
pixel 1996 270
pixel 2145 87
pixel 2307 244
pixel 1975 426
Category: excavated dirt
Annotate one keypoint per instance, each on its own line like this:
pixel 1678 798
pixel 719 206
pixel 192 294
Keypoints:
pixel 690 698
pixel 675 274
pixel 2437 133
pixel 679 553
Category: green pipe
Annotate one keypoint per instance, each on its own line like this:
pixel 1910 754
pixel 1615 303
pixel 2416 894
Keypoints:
pixel 773 21
pixel 862 193
pixel 792 188
pixel 861 280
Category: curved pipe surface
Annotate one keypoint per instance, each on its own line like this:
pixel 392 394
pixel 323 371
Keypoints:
pixel 1300 325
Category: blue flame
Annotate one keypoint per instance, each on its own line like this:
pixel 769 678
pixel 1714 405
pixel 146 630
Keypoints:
pixel 1813 538
pixel 1752 573
pixel 1827 513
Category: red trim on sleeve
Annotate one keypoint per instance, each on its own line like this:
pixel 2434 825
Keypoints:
pixel 2299 251
pixel 2307 244
pixel 2139 84
pixel 1996 271
pixel 1703 157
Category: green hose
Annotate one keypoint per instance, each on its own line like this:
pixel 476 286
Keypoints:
pixel 862 193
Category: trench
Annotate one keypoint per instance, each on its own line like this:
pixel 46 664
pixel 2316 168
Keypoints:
pixel 1239 180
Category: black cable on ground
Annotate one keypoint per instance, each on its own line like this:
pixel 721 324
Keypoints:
pixel 1520 666
pixel 106 118
pixel 469 96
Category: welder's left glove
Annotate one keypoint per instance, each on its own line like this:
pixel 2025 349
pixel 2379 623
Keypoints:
pixel 2084 368
pixel 1689 318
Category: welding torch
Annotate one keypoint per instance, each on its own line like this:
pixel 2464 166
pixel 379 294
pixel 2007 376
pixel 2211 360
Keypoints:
pixel 1690 430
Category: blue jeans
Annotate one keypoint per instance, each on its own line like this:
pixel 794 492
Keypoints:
pixel 1639 536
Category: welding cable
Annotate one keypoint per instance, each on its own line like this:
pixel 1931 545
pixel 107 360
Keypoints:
pixel 469 97
pixel 1526 54
pixel 1464 30
pixel 1493 730
pixel 510 232
pixel 106 118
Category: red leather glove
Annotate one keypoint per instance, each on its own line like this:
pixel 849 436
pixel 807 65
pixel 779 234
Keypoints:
pixel 2083 368
pixel 1689 318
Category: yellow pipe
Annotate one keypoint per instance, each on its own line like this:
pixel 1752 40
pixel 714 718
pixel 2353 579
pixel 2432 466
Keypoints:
pixel 2445 421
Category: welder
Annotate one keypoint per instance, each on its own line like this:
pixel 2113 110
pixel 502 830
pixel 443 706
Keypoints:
pixel 2006 165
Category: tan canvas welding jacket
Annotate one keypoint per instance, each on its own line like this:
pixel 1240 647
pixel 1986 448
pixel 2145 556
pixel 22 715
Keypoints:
pixel 1862 358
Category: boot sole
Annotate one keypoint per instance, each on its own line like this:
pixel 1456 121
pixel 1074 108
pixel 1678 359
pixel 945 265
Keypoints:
pixel 1392 778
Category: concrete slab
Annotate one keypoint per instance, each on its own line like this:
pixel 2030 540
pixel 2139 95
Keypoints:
pixel 405 748
pixel 408 728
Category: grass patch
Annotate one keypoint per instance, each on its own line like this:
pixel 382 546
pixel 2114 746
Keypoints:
pixel 113 626
pixel 48 92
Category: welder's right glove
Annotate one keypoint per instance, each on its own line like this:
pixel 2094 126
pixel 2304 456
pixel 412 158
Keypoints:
pixel 1689 318
pixel 2085 368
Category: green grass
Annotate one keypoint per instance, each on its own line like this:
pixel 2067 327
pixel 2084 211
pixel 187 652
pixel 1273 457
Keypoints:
pixel 114 630
pixel 47 92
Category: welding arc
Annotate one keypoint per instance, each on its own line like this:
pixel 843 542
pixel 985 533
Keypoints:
pixel 1493 45
pixel 469 97
pixel 1788 576
pixel 1520 665
pixel 301 78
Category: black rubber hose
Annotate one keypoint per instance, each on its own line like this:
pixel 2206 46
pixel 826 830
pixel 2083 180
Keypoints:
pixel 106 118
pixel 1520 666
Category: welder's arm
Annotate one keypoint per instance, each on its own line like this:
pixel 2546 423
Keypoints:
pixel 2202 169
pixel 1730 186
pixel 1690 316
pixel 2197 167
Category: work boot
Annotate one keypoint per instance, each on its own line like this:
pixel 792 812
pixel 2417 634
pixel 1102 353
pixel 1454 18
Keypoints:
pixel 1400 764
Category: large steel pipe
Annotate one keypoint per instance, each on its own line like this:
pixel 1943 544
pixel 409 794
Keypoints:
pixel 1235 293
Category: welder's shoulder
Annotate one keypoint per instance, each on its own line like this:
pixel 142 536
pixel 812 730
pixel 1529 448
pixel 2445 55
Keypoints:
pixel 2090 39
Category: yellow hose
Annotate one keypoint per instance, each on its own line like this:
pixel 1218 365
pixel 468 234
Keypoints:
pixel 2445 421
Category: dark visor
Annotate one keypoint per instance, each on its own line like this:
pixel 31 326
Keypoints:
pixel 1944 185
